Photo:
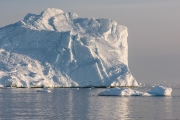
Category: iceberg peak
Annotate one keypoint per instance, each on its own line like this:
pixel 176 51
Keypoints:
pixel 52 12
pixel 50 19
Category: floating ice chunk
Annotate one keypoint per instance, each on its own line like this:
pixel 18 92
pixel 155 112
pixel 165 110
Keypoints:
pixel 160 91
pixel 1 86
pixel 156 91
pixel 140 84
pixel 44 90
pixel 122 92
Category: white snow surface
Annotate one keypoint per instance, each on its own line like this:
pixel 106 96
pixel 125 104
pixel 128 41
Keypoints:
pixel 156 91
pixel 59 49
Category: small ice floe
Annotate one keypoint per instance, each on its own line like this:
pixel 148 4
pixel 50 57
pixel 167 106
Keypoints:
pixel 108 87
pixel 1 86
pixel 140 84
pixel 122 92
pixel 155 91
pixel 44 90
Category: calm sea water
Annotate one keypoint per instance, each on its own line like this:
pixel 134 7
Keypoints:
pixel 85 104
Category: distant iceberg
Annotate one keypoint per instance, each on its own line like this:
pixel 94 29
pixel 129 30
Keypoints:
pixel 156 91
pixel 59 49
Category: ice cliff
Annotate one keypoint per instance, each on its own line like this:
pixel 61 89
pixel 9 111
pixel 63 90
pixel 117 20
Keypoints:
pixel 58 49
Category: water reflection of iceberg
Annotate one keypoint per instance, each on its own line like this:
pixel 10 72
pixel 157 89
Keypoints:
pixel 115 108
pixel 124 110
pixel 168 108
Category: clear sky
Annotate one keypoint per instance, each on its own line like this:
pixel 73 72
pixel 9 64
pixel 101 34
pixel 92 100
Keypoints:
pixel 153 26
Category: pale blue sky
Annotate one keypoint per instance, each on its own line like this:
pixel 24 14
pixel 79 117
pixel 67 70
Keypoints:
pixel 154 29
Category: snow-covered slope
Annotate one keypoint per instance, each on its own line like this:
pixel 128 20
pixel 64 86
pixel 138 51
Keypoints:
pixel 58 49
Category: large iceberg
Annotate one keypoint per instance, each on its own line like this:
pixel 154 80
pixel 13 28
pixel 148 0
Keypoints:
pixel 58 49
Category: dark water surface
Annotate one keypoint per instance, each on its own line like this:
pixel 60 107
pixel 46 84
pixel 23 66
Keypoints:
pixel 85 104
